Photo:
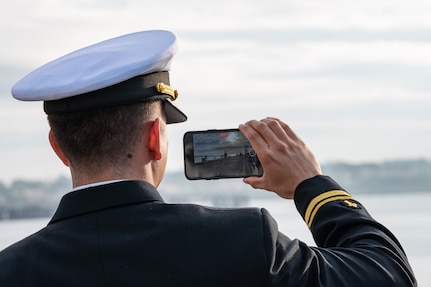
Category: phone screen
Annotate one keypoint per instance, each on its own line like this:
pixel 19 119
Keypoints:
pixel 215 154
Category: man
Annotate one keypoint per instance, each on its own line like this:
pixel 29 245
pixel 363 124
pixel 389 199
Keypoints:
pixel 108 106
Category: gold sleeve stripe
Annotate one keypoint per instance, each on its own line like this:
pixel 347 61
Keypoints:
pixel 321 200
pixel 321 197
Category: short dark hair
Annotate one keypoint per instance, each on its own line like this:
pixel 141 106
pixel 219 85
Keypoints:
pixel 99 139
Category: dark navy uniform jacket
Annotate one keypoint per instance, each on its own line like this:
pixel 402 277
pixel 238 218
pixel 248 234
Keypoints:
pixel 124 234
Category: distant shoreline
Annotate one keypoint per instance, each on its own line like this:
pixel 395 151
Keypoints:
pixel 36 198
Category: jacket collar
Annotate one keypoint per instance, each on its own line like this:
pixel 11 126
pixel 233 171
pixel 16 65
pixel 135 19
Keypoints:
pixel 106 196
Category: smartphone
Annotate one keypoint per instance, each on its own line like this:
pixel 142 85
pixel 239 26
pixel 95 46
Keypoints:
pixel 216 154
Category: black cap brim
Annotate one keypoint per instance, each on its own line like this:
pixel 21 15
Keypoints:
pixel 173 114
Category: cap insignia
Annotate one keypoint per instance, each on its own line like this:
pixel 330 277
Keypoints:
pixel 168 90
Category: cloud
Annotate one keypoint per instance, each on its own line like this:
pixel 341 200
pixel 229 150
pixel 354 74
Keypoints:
pixel 350 76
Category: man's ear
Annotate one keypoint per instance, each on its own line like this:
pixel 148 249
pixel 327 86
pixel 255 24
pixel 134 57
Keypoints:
pixel 154 139
pixel 57 149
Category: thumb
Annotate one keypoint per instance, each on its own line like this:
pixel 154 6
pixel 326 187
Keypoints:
pixel 253 181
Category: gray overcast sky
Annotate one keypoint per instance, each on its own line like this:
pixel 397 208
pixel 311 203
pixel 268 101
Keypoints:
pixel 351 77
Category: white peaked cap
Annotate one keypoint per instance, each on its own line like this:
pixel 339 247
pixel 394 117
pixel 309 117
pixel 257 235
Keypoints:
pixel 127 69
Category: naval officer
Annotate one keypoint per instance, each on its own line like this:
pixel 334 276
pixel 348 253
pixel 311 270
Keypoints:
pixel 108 107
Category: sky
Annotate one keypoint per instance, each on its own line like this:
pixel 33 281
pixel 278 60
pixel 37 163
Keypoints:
pixel 350 77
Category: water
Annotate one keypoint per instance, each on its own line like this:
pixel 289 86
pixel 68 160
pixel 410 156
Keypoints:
pixel 407 216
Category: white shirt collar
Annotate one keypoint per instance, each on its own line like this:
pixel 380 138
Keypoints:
pixel 97 184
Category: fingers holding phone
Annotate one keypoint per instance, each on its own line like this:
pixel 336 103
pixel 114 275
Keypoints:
pixel 286 159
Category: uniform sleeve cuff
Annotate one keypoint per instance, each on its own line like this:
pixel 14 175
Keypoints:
pixel 314 192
